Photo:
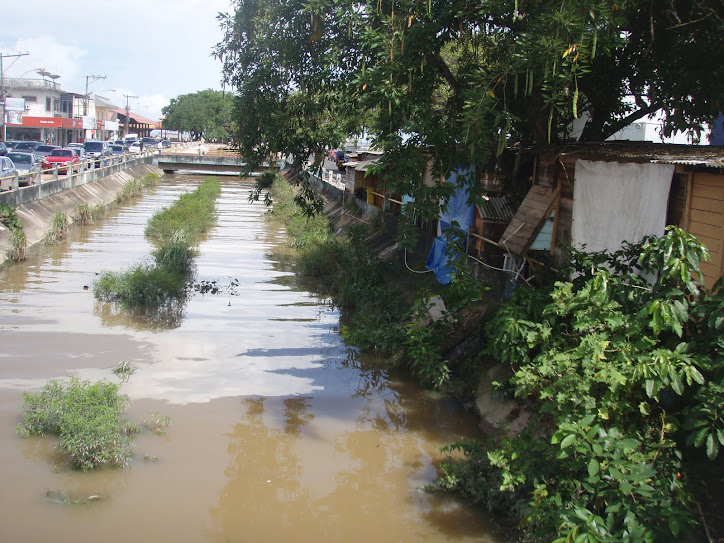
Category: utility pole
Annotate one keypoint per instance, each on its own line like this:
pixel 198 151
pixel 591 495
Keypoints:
pixel 90 79
pixel 128 112
pixel 2 88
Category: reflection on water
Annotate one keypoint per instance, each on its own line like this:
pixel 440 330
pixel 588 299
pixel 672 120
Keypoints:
pixel 153 319
pixel 279 431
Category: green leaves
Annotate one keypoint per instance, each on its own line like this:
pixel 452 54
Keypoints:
pixel 628 379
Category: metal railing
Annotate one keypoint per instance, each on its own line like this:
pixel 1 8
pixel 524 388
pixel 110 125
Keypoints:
pixel 45 182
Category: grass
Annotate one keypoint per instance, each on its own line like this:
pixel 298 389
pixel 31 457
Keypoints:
pixel 86 214
pixel 58 227
pixel 174 230
pixel 18 245
pixel 135 187
pixel 189 218
pixel 87 417
pixel 89 420
pixel 144 284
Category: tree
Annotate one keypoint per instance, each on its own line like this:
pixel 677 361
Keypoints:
pixel 205 113
pixel 456 82
pixel 626 383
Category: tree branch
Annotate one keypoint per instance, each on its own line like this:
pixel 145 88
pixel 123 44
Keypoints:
pixel 614 127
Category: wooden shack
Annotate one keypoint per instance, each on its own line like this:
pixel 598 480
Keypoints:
pixel 695 199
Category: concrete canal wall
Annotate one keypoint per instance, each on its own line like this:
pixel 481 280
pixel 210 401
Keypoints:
pixel 38 203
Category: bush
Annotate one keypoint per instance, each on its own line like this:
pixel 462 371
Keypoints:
pixel 165 281
pixel 627 379
pixel 88 418
pixel 188 218
pixel 58 227
pixel 18 245
pixel 142 285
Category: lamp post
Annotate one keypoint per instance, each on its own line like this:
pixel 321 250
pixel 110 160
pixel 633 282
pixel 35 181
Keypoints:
pixel 89 79
pixel 128 111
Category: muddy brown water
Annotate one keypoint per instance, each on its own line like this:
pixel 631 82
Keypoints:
pixel 279 432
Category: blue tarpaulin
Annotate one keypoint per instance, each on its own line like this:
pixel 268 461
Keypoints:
pixel 457 210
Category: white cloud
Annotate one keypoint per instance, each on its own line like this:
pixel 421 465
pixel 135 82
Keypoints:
pixel 154 50
pixel 48 53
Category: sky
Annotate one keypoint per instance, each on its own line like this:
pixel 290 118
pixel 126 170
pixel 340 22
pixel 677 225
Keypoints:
pixel 150 51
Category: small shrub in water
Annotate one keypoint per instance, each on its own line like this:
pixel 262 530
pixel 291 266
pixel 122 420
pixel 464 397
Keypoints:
pixel 86 416
pixel 176 258
pixel 58 227
pixel 83 214
pixel 142 285
pixel 18 245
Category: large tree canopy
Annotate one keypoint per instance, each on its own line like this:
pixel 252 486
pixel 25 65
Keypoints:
pixel 457 81
pixel 205 113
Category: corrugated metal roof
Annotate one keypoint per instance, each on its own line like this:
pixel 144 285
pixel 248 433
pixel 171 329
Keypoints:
pixel 707 156
pixel 365 165
pixel 496 209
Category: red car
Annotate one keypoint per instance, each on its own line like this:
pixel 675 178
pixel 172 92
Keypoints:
pixel 65 158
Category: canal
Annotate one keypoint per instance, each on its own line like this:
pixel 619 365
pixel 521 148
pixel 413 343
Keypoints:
pixel 278 431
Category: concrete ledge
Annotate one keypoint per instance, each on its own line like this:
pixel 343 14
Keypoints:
pixel 37 214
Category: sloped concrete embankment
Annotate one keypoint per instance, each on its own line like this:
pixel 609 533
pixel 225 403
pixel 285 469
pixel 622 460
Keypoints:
pixel 37 216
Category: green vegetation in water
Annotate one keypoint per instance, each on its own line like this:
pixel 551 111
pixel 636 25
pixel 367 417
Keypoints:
pixel 124 370
pixel 87 417
pixel 625 381
pixel 86 214
pixel 58 227
pixel 18 245
pixel 135 187
pixel 385 318
pixel 18 241
pixel 189 218
pixel 175 230
pixel 89 420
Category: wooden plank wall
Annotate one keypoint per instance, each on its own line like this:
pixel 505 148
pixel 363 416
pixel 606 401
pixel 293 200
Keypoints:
pixel 700 213
pixel 705 220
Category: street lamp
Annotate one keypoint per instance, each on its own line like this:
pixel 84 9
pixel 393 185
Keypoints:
pixel 128 111
pixel 88 80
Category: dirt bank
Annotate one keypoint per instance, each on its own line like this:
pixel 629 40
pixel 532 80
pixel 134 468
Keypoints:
pixel 37 216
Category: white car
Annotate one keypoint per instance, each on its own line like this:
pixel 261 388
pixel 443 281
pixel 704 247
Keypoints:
pixel 135 147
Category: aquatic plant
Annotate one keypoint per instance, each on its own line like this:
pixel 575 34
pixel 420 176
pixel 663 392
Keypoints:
pixel 18 245
pixel 165 280
pixel 144 284
pixel 18 241
pixel 130 190
pixel 188 218
pixel 87 418
pixel 58 227
pixel 83 214
pixel 124 370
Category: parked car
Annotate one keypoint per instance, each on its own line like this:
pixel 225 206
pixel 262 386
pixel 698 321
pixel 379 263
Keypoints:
pixel 27 146
pixel 118 152
pixel 10 144
pixel 26 165
pixel 66 159
pixel 135 147
pixel 41 151
pixel 7 173
pixel 98 150
pixel 166 143
pixel 148 143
